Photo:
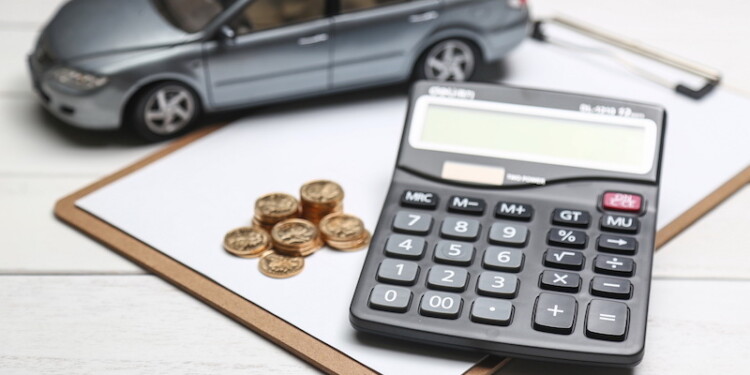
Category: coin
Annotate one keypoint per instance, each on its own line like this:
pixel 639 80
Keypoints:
pixel 280 266
pixel 344 232
pixel 273 208
pixel 320 198
pixel 247 242
pixel 297 237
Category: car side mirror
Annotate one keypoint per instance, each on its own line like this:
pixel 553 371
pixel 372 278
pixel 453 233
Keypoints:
pixel 227 34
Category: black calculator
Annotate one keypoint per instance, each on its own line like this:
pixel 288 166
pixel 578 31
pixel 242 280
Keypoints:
pixel 520 223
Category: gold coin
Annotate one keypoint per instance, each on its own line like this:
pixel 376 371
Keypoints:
pixel 247 242
pixel 341 227
pixel 280 266
pixel 322 191
pixel 276 206
pixel 356 245
pixel 296 237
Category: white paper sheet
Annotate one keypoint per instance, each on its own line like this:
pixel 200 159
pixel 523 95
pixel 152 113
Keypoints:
pixel 184 203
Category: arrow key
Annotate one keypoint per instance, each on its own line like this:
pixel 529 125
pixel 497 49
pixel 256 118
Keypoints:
pixel 617 244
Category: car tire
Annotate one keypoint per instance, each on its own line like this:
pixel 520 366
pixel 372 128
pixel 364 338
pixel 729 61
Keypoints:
pixel 164 111
pixel 450 60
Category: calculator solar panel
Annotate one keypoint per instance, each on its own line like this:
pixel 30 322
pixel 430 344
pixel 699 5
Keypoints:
pixel 526 248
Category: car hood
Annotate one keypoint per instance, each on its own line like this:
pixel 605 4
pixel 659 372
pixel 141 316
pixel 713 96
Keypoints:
pixel 82 28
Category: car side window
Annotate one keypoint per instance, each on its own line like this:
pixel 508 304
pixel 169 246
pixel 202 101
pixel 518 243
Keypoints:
pixel 348 6
pixel 270 14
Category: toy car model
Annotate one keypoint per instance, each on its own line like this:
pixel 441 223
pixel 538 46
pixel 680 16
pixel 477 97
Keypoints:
pixel 156 65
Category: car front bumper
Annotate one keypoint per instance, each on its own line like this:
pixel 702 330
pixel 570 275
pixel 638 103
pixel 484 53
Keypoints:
pixel 98 109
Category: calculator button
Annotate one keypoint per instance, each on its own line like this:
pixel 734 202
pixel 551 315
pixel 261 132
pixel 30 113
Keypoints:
pixel 617 244
pixel 460 228
pixel 398 272
pixel 607 320
pixel 390 298
pixel 622 202
pixel 405 246
pixel 452 252
pixel 440 305
pixel 502 259
pixel 412 222
pixel 496 284
pixel 574 218
pixel 611 288
pixel 447 278
pixel 619 223
pixel 514 211
pixel 492 311
pixel 419 199
pixel 614 265
pixel 555 313
pixel 508 234
pixel 565 259
pixel 560 281
pixel 466 205
pixel 567 238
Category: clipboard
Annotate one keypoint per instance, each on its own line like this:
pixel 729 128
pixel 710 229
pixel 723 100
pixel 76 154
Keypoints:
pixel 276 330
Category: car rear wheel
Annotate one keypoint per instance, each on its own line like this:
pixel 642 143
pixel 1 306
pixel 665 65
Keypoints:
pixel 449 60
pixel 164 111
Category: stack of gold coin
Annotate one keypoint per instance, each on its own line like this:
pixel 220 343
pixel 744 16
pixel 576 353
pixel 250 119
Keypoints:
pixel 273 208
pixel 344 232
pixel 321 198
pixel 296 237
pixel 247 242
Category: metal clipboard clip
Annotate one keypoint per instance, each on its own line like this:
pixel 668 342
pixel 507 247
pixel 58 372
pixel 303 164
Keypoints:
pixel 711 76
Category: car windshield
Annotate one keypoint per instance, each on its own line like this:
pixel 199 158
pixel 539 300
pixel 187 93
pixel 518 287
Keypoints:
pixel 191 15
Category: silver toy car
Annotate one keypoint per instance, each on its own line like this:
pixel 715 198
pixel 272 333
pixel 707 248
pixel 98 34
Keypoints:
pixel 156 65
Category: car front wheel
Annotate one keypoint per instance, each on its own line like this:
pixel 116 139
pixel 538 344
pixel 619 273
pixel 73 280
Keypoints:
pixel 449 60
pixel 164 111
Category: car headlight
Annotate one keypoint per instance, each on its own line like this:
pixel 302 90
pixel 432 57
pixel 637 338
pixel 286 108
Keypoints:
pixel 78 80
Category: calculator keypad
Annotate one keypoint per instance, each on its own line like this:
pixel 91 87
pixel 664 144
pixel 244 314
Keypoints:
pixel 575 239
pixel 564 259
pixel 555 313
pixel 447 278
pixel 440 305
pixel 560 281
pixel 401 246
pixel 503 259
pixel 454 252
pixel 492 311
pixel 412 222
pixel 466 205
pixel 460 228
pixel 390 298
pixel 607 320
pixel 496 284
pixel 610 265
pixel 508 234
pixel 394 271
pixel 514 211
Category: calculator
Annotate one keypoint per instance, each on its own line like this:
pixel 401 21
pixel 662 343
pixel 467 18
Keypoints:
pixel 519 223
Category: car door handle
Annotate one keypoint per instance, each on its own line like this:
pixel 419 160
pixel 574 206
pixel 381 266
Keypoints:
pixel 315 39
pixel 424 17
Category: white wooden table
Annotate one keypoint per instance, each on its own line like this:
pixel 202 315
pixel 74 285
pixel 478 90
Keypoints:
pixel 68 305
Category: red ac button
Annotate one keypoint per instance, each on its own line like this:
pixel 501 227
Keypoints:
pixel 622 202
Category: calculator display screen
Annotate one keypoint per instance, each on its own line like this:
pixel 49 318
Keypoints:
pixel 536 134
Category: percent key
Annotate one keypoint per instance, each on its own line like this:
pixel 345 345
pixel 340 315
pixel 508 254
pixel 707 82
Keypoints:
pixel 567 238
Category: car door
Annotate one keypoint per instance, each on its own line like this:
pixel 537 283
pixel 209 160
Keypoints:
pixel 374 39
pixel 281 49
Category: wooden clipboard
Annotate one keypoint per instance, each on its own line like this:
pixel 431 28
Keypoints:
pixel 276 330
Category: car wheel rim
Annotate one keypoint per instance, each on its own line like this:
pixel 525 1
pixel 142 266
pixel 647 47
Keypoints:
pixel 452 60
pixel 169 110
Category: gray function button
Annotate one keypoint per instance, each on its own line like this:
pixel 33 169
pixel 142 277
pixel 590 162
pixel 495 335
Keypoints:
pixel 514 211
pixel 560 281
pixel 607 320
pixel 617 244
pixel 412 222
pixel 447 278
pixel 492 311
pixel 496 284
pixel 466 205
pixel 390 298
pixel 394 271
pixel 610 287
pixel 555 313
pixel 503 259
pixel 460 228
pixel 401 246
pixel 567 238
pixel 419 199
pixel 574 218
pixel 508 234
pixel 565 259
pixel 619 223
pixel 614 265
pixel 440 305
pixel 452 252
